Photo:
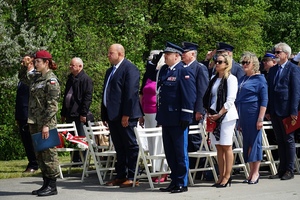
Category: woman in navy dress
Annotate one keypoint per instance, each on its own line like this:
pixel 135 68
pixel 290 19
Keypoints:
pixel 252 99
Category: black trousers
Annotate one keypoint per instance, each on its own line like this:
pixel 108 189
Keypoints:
pixel 27 143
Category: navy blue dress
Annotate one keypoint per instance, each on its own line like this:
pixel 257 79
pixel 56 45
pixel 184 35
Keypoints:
pixel 252 94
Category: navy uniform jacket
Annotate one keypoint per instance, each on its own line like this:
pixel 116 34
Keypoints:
pixel 201 77
pixel 22 98
pixel 122 93
pixel 284 96
pixel 237 70
pixel 176 95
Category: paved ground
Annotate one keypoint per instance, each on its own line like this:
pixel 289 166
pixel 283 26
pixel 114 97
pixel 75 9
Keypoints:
pixel 71 188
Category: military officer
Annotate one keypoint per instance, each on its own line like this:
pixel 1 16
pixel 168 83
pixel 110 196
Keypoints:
pixel 189 58
pixel 175 104
pixel 42 109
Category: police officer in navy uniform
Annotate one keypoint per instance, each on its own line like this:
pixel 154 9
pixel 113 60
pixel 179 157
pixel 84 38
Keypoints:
pixel 175 105
pixel 189 58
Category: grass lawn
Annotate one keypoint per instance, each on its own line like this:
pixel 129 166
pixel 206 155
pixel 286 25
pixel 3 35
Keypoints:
pixel 14 168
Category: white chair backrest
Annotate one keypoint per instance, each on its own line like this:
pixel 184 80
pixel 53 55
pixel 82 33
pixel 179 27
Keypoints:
pixel 199 129
pixel 148 133
pixel 267 125
pixel 70 127
pixel 97 131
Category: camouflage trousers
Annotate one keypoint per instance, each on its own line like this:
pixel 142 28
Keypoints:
pixel 47 159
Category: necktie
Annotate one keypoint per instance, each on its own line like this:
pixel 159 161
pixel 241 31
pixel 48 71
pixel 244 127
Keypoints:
pixel 277 74
pixel 107 83
pixel 169 70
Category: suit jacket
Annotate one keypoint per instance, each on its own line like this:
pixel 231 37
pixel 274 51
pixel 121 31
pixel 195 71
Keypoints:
pixel 284 95
pixel 21 109
pixel 201 77
pixel 176 95
pixel 232 88
pixel 122 94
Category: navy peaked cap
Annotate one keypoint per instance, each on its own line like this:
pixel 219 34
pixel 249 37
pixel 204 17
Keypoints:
pixel 269 55
pixel 222 46
pixel 189 46
pixel 173 48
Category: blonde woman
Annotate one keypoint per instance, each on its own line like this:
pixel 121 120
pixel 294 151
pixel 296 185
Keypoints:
pixel 252 99
pixel 219 102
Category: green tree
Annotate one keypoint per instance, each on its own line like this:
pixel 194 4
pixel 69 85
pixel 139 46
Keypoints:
pixel 283 23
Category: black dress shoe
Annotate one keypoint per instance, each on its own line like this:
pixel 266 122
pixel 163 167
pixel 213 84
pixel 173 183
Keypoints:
pixel 276 176
pixel 287 176
pixel 179 189
pixel 167 189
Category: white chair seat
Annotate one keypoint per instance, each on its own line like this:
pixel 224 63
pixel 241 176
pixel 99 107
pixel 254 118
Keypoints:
pixel 97 153
pixel 69 127
pixel 147 159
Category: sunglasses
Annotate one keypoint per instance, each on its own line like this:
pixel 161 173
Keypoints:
pixel 278 52
pixel 219 62
pixel 245 62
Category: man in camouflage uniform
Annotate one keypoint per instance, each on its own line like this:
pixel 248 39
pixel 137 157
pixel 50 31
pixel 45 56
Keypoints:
pixel 43 106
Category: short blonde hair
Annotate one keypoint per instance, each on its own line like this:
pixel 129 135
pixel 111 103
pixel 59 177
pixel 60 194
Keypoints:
pixel 249 56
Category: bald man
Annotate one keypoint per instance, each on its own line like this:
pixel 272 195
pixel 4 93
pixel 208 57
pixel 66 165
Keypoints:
pixel 120 110
pixel 77 99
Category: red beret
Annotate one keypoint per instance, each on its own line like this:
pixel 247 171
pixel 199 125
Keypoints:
pixel 43 54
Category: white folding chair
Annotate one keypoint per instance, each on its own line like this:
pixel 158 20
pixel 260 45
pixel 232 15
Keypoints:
pixel 203 152
pixel 103 157
pixel 142 133
pixel 69 127
pixel 267 148
pixel 238 153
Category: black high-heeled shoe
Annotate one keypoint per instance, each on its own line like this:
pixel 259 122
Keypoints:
pixel 225 185
pixel 246 181
pixel 254 182
pixel 215 184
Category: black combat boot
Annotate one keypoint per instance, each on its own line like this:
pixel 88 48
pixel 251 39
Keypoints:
pixel 45 184
pixel 50 188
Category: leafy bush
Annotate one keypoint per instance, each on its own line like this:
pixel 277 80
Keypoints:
pixel 10 143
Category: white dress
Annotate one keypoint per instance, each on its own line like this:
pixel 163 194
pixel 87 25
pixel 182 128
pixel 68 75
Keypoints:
pixel 229 121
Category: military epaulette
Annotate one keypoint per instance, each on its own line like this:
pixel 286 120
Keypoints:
pixel 52 81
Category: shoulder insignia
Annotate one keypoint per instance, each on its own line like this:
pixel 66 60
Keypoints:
pixel 53 81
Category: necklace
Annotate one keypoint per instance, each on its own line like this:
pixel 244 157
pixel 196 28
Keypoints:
pixel 244 82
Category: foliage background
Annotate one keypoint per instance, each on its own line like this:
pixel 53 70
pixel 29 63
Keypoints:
pixel 86 29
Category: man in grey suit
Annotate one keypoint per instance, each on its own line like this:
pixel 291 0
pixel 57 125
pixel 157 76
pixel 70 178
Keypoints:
pixel 284 94
pixel 120 110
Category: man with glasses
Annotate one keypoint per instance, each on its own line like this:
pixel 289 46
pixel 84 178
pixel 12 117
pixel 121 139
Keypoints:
pixel 284 94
